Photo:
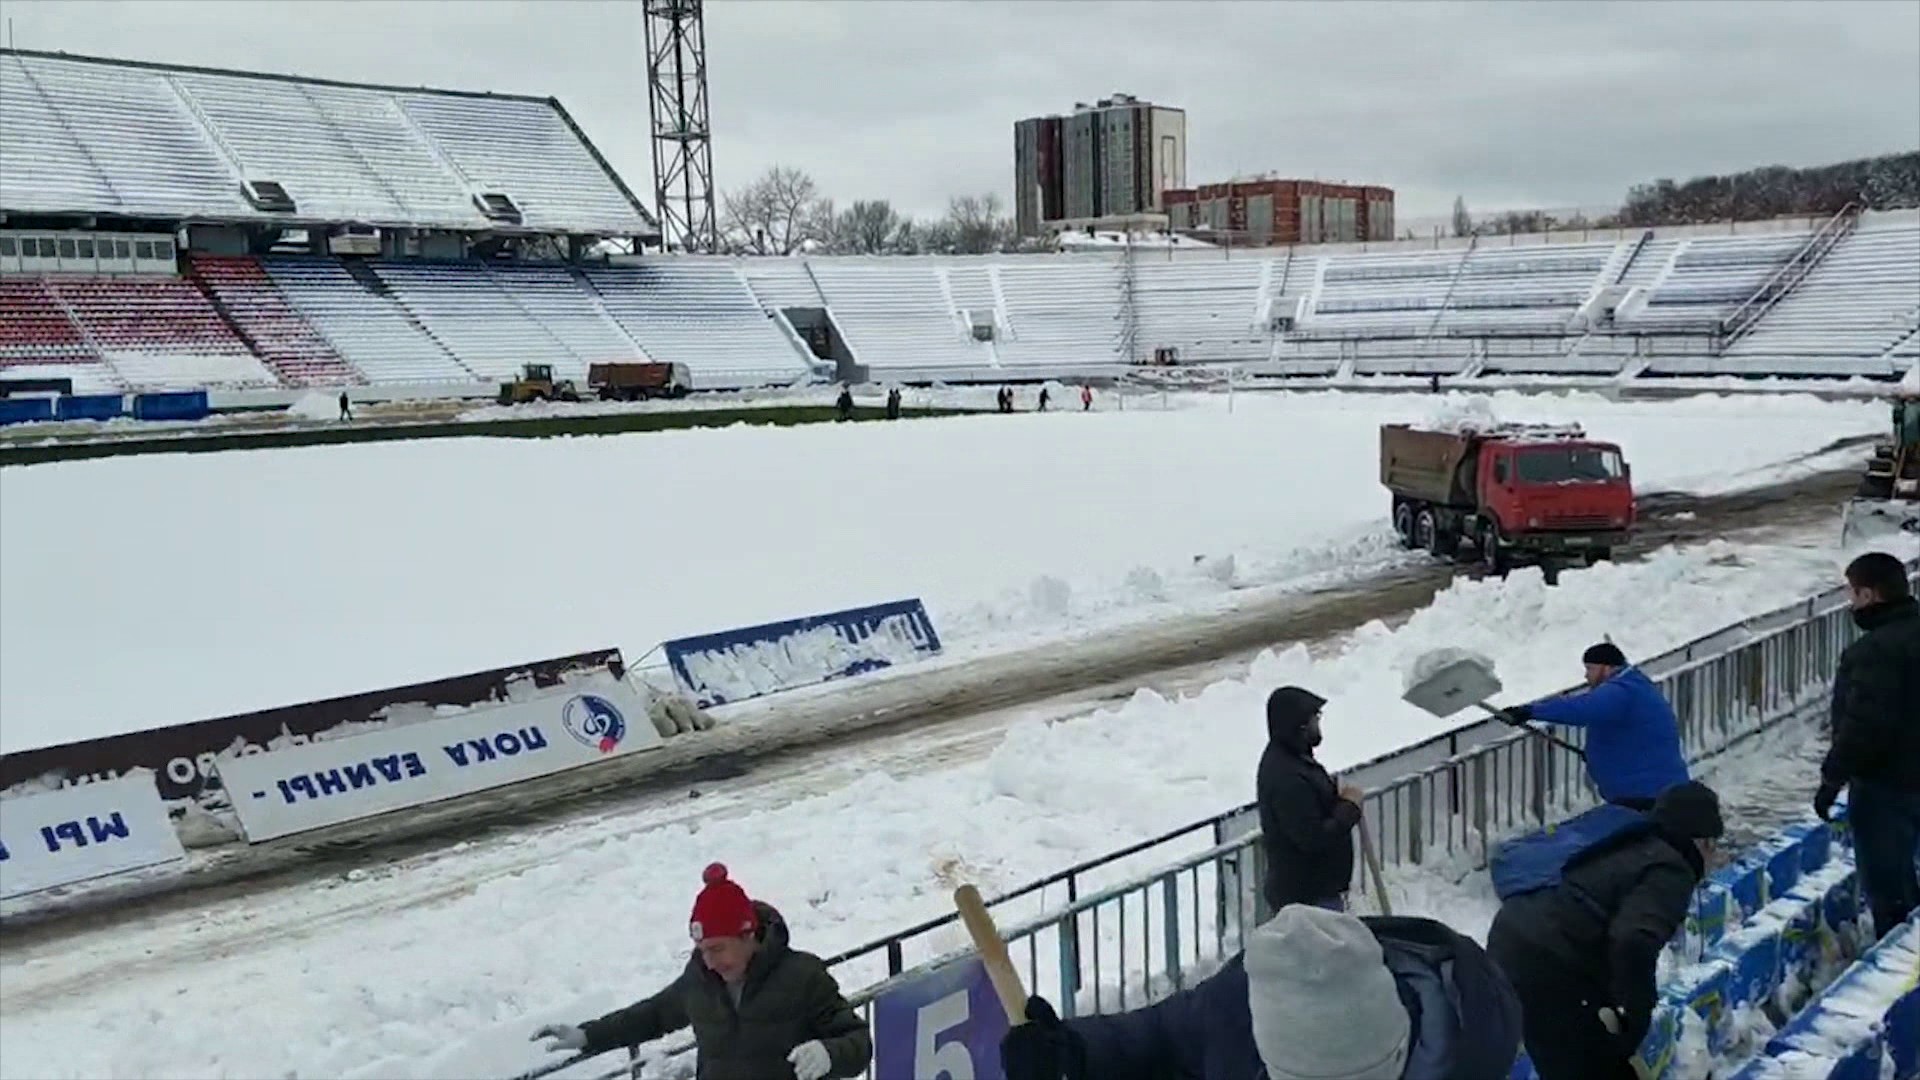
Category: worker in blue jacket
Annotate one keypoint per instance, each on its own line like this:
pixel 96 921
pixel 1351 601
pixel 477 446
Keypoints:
pixel 1316 995
pixel 1633 742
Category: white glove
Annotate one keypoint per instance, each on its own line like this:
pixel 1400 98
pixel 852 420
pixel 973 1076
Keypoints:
pixel 564 1036
pixel 810 1061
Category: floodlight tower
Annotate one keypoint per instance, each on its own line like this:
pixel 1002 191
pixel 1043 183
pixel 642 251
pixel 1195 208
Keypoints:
pixel 676 38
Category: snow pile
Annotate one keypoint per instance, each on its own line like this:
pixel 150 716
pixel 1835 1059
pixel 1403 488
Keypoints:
pixel 798 659
pixel 314 405
pixel 334 570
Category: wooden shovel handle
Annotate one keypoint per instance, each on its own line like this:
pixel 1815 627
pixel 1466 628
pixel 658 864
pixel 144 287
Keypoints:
pixel 993 953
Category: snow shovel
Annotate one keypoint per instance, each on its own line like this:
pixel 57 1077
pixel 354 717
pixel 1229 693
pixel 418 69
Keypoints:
pixel 1372 859
pixel 993 953
pixel 1445 681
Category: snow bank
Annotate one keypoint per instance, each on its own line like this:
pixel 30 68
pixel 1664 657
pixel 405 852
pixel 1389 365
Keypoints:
pixel 288 575
pixel 476 962
pixel 315 405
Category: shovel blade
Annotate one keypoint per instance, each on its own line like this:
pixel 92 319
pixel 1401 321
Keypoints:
pixel 1453 686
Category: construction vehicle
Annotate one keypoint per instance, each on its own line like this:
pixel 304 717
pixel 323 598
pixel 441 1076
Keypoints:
pixel 1888 499
pixel 628 382
pixel 536 383
pixel 1511 494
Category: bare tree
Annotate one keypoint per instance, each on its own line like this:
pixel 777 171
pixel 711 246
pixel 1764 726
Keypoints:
pixel 1462 221
pixel 977 224
pixel 868 227
pixel 776 214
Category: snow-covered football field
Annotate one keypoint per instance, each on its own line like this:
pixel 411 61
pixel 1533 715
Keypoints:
pixel 146 591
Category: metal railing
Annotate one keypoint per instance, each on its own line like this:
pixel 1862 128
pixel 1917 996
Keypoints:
pixel 1125 935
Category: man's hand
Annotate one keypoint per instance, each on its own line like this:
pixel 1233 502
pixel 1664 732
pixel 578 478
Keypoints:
pixel 810 1061
pixel 564 1036
pixel 1043 1048
pixel 1823 800
pixel 1352 794
pixel 1520 713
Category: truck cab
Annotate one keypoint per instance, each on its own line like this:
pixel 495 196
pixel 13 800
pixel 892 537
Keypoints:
pixel 1554 496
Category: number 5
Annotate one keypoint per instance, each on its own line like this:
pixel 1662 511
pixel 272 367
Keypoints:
pixel 932 1060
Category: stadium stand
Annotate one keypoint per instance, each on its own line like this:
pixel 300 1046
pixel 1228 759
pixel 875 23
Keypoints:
pixel 175 227
pixel 897 319
pixel 699 312
pixel 265 318
pixel 1850 313
pixel 85 135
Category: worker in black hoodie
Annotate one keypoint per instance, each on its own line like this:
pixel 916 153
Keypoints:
pixel 1582 952
pixel 1306 820
pixel 1876 737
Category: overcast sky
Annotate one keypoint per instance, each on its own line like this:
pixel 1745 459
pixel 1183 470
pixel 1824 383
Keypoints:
pixel 1511 104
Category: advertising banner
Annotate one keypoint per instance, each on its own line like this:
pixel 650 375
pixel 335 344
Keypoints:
pixel 752 661
pixel 326 783
pixel 181 757
pixel 80 833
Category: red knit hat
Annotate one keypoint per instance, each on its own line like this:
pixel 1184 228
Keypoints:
pixel 722 908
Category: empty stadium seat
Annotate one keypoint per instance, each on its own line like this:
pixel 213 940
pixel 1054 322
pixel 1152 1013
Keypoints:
pixel 35 329
pixel 475 320
pixel 152 141
pixel 568 310
pixel 1208 311
pixel 1710 276
pixel 896 316
pixel 368 330
pixel 1061 312
pixel 699 312
pixel 281 336
pixel 1858 303
pixel 158 332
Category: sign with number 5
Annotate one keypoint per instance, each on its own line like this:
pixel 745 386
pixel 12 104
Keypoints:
pixel 944 1025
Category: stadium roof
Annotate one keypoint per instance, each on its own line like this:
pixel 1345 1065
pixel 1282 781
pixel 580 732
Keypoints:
pixel 94 136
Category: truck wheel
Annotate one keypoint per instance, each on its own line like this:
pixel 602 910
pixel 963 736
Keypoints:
pixel 1494 559
pixel 1599 555
pixel 1403 522
pixel 1427 534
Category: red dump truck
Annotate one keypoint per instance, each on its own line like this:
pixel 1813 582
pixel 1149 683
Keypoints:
pixel 1510 494
pixel 630 381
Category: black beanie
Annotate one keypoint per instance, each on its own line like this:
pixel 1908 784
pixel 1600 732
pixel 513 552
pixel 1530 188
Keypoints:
pixel 1606 653
pixel 1690 810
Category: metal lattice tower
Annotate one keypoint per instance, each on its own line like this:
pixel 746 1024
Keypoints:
pixel 676 37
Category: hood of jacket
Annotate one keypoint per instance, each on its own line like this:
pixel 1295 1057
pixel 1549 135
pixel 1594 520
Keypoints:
pixel 1288 711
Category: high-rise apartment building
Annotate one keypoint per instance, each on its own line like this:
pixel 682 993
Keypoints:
pixel 1109 160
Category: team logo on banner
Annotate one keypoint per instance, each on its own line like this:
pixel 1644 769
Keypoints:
pixel 594 722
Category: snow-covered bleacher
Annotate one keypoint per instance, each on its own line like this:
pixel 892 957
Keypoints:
pixel 1848 314
pixel 1209 312
pixel 280 335
pixel 85 135
pixel 368 330
pixel 569 311
pixel 897 319
pixel 1708 277
pixel 699 312
pixel 473 318
pixel 1061 314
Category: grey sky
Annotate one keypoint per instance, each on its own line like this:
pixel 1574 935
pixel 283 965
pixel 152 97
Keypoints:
pixel 1512 104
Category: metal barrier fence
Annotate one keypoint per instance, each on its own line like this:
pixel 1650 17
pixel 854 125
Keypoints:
pixel 1119 937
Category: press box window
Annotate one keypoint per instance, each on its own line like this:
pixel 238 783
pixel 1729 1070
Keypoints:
pixel 163 249
pixel 6 246
pixel 66 250
pixel 86 249
pixel 143 249
pixel 122 249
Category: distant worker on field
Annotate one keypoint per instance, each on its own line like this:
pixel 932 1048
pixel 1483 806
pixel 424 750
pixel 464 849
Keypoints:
pixel 1633 741
pixel 893 403
pixel 346 407
pixel 1876 737
pixel 845 403
pixel 1583 952
pixel 759 1009
pixel 1045 396
pixel 1306 820
pixel 1086 397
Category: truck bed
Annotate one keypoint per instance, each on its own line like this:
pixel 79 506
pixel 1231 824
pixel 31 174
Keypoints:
pixel 1433 466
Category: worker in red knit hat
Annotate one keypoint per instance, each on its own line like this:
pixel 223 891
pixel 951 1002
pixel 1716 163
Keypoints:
pixel 759 1009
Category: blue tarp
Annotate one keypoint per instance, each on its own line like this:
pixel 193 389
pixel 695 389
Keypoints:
pixel 20 410
pixel 91 406
pixel 1532 862
pixel 734 665
pixel 179 405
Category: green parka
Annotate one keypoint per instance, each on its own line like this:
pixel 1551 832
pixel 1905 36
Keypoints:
pixel 788 998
